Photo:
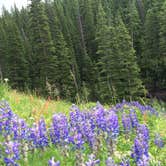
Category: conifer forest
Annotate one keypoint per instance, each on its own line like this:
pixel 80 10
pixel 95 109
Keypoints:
pixel 104 50
pixel 106 56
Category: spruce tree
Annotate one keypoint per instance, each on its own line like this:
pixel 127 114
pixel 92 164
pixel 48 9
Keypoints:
pixel 162 46
pixel 150 56
pixel 103 39
pixel 65 79
pixel 3 52
pixel 67 73
pixel 119 72
pixel 124 67
pixel 17 64
pixel 87 17
pixel 43 52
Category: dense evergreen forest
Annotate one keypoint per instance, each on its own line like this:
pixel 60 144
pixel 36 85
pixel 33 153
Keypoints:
pixel 90 49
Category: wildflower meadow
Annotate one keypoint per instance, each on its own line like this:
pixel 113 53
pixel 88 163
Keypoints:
pixel 127 133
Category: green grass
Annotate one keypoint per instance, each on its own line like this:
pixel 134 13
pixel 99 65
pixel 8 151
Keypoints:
pixel 31 108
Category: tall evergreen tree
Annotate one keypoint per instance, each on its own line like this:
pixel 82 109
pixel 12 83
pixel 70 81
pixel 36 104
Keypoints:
pixel 3 52
pixel 43 56
pixel 125 71
pixel 69 45
pixel 17 64
pixel 119 70
pixel 150 57
pixel 162 46
pixel 103 39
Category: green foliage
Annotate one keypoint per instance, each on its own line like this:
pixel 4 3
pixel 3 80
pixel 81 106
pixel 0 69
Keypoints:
pixel 20 102
pixel 117 65
pixel 162 46
pixel 151 57
pixel 61 48
pixel 2 91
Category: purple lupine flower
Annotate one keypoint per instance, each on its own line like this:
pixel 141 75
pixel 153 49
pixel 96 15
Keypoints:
pixel 59 130
pixel 112 125
pixel 99 115
pixel 136 104
pixel 9 161
pixel 24 130
pixel 144 161
pixel 1 127
pixel 151 110
pixel 51 162
pixel 112 130
pixel 76 117
pixel 92 161
pixel 42 138
pixel 74 108
pixel 32 135
pixel 125 162
pixel 126 121
pixel 12 151
pixel 7 122
pixel 110 162
pixel 88 131
pixel 38 135
pixel 15 127
pixel 159 141
pixel 19 129
pixel 140 148
pixel 143 130
pixel 133 118
pixel 76 139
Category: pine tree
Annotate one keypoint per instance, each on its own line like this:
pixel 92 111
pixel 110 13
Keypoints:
pixel 87 18
pixel 119 72
pixel 65 63
pixel 162 46
pixel 3 52
pixel 67 73
pixel 103 39
pixel 69 45
pixel 17 64
pixel 124 67
pixel 150 57
pixel 43 56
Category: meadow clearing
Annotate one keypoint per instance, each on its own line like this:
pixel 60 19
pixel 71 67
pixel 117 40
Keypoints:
pixel 39 132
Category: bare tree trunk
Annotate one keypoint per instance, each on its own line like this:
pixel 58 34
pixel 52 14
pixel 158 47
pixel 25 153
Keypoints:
pixel 141 9
pixel 81 32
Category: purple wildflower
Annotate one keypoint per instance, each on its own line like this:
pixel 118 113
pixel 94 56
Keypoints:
pixel 12 151
pixel 9 161
pixel 158 141
pixel 53 163
pixel 133 118
pixel 144 161
pixel 125 162
pixel 38 135
pixel 126 121
pixel 112 125
pixel 77 139
pixel 42 134
pixel 140 148
pixel 143 130
pixel 59 131
pixel 92 161
pixel 110 162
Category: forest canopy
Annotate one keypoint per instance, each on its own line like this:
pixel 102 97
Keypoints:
pixel 94 49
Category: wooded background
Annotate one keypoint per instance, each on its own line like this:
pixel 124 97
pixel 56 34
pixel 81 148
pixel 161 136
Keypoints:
pixel 92 49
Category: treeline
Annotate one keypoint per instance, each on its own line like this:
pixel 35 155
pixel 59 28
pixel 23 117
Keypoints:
pixel 90 49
